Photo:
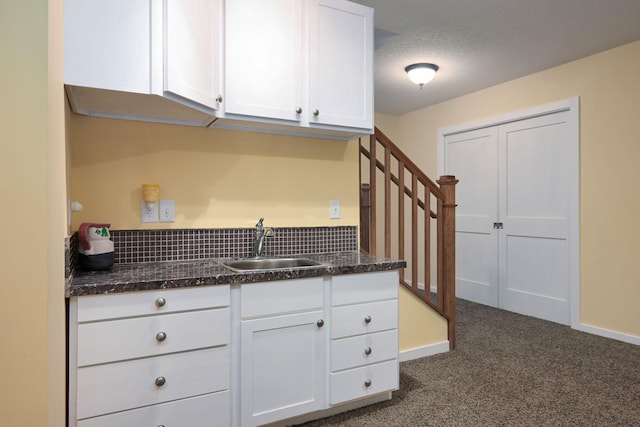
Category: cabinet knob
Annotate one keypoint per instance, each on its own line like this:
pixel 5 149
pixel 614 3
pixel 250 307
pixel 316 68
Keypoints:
pixel 316 112
pixel 367 351
pixel 219 98
pixel 298 110
pixel 161 336
pixel 160 302
pixel 367 319
pixel 320 323
pixel 367 383
pixel 160 381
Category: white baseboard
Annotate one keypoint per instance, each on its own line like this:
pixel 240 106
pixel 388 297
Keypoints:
pixel 424 351
pixel 631 339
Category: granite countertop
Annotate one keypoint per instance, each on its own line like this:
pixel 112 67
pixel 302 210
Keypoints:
pixel 178 274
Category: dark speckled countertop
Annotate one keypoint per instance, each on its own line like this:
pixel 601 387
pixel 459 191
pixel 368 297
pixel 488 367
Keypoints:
pixel 177 274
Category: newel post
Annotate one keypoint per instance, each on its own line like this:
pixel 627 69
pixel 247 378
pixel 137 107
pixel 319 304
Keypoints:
pixel 448 187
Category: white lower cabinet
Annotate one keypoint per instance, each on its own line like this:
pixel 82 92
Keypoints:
pixel 207 410
pixel 364 336
pixel 161 357
pixel 283 369
pixel 282 350
pixel 270 352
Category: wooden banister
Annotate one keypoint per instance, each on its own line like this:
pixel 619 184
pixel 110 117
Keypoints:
pixel 415 199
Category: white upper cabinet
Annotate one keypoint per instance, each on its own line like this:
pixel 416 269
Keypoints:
pixel 118 52
pixel 340 64
pixel 310 62
pixel 263 59
pixel 300 67
pixel 192 51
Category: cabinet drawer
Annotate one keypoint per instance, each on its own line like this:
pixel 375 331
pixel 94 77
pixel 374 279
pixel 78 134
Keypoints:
pixel 209 410
pixel 284 296
pixel 129 304
pixel 115 387
pixel 351 320
pixel 352 384
pixel 121 339
pixel 358 288
pixel 352 352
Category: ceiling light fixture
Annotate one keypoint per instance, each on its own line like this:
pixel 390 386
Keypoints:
pixel 422 73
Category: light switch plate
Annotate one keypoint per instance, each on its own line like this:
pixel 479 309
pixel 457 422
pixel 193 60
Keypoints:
pixel 148 215
pixel 167 210
pixel 334 209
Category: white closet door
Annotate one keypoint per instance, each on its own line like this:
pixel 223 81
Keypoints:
pixel 473 158
pixel 512 219
pixel 533 207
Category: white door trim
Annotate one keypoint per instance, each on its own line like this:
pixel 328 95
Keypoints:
pixel 572 106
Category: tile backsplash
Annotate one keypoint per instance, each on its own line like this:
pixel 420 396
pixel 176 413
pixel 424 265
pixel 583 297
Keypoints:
pixel 192 244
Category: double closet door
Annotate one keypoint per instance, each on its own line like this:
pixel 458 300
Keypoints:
pixel 512 219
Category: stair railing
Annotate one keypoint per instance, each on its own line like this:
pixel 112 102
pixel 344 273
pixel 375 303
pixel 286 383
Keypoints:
pixel 408 195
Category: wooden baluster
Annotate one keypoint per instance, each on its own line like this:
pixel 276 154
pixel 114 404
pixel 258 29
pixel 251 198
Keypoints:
pixel 372 195
pixel 387 202
pixel 401 198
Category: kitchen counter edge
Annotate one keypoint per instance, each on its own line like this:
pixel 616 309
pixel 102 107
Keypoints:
pixel 206 272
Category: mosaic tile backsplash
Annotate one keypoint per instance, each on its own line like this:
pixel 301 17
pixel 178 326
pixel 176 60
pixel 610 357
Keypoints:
pixel 133 246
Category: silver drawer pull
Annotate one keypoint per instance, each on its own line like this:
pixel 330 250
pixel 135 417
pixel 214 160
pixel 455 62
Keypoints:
pixel 160 381
pixel 161 336
pixel 367 383
pixel 367 351
pixel 367 319
pixel 298 110
pixel 316 112
pixel 320 323
pixel 160 302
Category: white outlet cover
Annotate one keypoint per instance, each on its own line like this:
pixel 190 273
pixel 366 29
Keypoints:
pixel 334 209
pixel 167 210
pixel 148 215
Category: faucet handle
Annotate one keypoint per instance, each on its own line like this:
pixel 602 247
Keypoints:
pixel 259 224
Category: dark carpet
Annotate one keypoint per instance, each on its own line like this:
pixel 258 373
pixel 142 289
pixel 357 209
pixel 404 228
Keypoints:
pixel 512 370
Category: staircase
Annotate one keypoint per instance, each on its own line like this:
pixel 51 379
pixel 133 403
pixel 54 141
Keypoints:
pixel 405 215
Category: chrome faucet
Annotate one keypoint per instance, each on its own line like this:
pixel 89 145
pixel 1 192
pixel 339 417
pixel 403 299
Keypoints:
pixel 260 234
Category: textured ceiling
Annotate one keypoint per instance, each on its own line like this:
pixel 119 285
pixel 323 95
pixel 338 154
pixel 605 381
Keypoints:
pixel 480 43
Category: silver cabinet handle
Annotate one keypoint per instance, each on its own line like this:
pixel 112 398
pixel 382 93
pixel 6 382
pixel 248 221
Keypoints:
pixel 298 110
pixel 316 112
pixel 367 319
pixel 161 336
pixel 160 381
pixel 367 351
pixel 320 323
pixel 160 302
pixel 219 98
pixel 367 383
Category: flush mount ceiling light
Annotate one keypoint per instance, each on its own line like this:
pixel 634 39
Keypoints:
pixel 422 73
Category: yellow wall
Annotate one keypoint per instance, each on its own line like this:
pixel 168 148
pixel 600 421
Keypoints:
pixel 218 178
pixel 419 325
pixel 609 91
pixel 32 190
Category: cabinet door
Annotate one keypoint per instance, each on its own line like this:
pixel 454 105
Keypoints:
pixel 192 47
pixel 106 44
pixel 340 64
pixel 282 367
pixel 263 61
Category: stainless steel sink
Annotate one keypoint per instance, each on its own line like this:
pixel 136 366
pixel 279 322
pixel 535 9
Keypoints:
pixel 270 264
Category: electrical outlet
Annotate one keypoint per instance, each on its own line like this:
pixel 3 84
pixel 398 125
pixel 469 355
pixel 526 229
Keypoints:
pixel 148 215
pixel 334 209
pixel 167 210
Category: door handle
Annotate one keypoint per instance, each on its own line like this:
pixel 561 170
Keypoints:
pixel 497 225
